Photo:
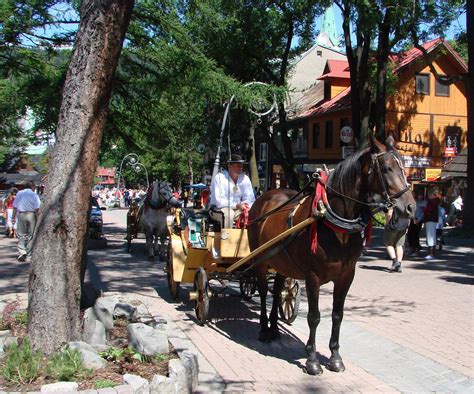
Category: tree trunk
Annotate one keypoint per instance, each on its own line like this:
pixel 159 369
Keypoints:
pixel 288 159
pixel 468 206
pixel 54 284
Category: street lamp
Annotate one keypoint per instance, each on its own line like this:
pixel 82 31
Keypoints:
pixel 137 167
pixel 224 119
pixel 132 159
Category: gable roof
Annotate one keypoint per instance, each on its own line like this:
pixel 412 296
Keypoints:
pixel 407 57
pixel 336 69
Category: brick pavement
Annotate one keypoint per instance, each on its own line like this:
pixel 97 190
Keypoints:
pixel 409 332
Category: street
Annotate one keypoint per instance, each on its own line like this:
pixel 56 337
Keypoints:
pixel 409 332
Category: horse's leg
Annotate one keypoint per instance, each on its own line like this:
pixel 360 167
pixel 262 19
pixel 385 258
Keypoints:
pixel 149 243
pixel 341 287
pixel 261 273
pixel 313 366
pixel 277 287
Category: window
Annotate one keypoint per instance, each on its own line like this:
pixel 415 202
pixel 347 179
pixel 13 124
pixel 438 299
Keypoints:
pixel 328 134
pixel 440 89
pixel 319 53
pixel 423 84
pixel 315 135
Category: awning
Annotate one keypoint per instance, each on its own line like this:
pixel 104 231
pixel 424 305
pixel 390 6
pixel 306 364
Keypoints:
pixel 456 168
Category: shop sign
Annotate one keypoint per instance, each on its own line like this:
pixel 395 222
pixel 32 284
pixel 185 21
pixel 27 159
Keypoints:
pixel 347 151
pixel 416 161
pixel 346 134
pixel 450 151
pixel 432 174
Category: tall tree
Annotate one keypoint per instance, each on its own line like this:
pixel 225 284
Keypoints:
pixel 57 245
pixel 372 29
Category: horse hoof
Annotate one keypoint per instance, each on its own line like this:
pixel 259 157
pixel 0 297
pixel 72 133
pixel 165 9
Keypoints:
pixel 335 365
pixel 313 368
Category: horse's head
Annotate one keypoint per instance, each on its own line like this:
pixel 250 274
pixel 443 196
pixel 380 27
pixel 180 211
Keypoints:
pixel 386 177
pixel 162 194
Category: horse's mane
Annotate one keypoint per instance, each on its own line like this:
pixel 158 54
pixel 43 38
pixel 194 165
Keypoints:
pixel 343 178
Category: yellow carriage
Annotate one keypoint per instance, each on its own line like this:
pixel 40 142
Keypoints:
pixel 201 252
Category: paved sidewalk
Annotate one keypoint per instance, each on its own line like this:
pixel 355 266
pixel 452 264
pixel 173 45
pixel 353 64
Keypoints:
pixel 409 332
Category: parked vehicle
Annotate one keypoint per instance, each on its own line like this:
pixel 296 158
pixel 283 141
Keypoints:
pixel 95 219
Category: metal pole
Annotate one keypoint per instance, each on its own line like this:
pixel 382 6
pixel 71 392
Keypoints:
pixel 215 170
pixel 133 160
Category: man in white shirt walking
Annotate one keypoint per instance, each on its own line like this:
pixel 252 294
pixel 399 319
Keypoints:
pixel 25 211
pixel 232 191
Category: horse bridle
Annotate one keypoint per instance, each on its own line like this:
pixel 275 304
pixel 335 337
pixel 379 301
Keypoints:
pixel 166 200
pixel 389 200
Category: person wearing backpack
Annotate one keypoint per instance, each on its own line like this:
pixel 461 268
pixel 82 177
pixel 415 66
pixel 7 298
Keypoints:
pixel 394 237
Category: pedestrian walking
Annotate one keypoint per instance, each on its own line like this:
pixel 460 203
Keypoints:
pixel 414 229
pixel 11 226
pixel 430 218
pixel 394 237
pixel 25 211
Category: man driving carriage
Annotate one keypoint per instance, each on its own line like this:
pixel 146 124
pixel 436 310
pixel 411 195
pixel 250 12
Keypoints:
pixel 231 191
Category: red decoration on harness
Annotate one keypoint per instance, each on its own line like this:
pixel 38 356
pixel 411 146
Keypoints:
pixel 368 233
pixel 243 219
pixel 319 194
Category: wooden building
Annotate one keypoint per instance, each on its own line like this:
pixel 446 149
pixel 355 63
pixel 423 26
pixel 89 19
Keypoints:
pixel 427 119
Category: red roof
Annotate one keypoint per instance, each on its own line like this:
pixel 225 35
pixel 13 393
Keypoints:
pixel 336 69
pixel 108 172
pixel 338 102
pixel 405 58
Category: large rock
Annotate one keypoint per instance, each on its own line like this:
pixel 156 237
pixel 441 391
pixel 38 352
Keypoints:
pixel 60 387
pixel 190 362
pixel 139 385
pixel 104 310
pixel 177 372
pixel 89 355
pixel 147 340
pixel 94 331
pixel 6 339
pixel 162 384
pixel 124 310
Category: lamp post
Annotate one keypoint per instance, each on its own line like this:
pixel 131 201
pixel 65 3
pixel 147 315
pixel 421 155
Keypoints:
pixel 132 159
pixel 215 170
pixel 137 167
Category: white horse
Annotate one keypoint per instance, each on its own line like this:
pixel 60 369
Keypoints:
pixel 152 218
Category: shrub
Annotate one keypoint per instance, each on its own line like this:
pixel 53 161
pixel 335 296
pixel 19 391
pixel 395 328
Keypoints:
pixel 103 384
pixel 22 364
pixel 66 365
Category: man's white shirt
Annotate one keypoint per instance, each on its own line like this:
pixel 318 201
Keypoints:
pixel 226 193
pixel 26 201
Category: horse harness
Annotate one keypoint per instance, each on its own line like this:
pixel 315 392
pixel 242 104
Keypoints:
pixel 156 204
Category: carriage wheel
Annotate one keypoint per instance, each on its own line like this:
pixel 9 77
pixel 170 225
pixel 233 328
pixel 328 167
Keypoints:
pixel 201 288
pixel 248 287
pixel 289 301
pixel 173 286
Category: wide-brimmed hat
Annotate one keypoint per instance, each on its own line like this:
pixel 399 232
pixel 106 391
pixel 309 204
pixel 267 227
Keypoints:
pixel 235 158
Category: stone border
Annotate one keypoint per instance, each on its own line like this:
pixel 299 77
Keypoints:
pixel 183 372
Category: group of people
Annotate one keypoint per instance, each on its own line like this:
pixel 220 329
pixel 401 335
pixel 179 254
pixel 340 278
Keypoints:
pixel 21 211
pixel 432 214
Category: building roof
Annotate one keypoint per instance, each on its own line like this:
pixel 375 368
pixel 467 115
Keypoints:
pixel 456 168
pixel 108 172
pixel 407 57
pixel 336 69
pixel 310 99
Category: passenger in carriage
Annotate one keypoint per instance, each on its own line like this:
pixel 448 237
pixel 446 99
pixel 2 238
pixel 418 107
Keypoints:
pixel 232 191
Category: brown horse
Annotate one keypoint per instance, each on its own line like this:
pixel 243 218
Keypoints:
pixel 373 176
